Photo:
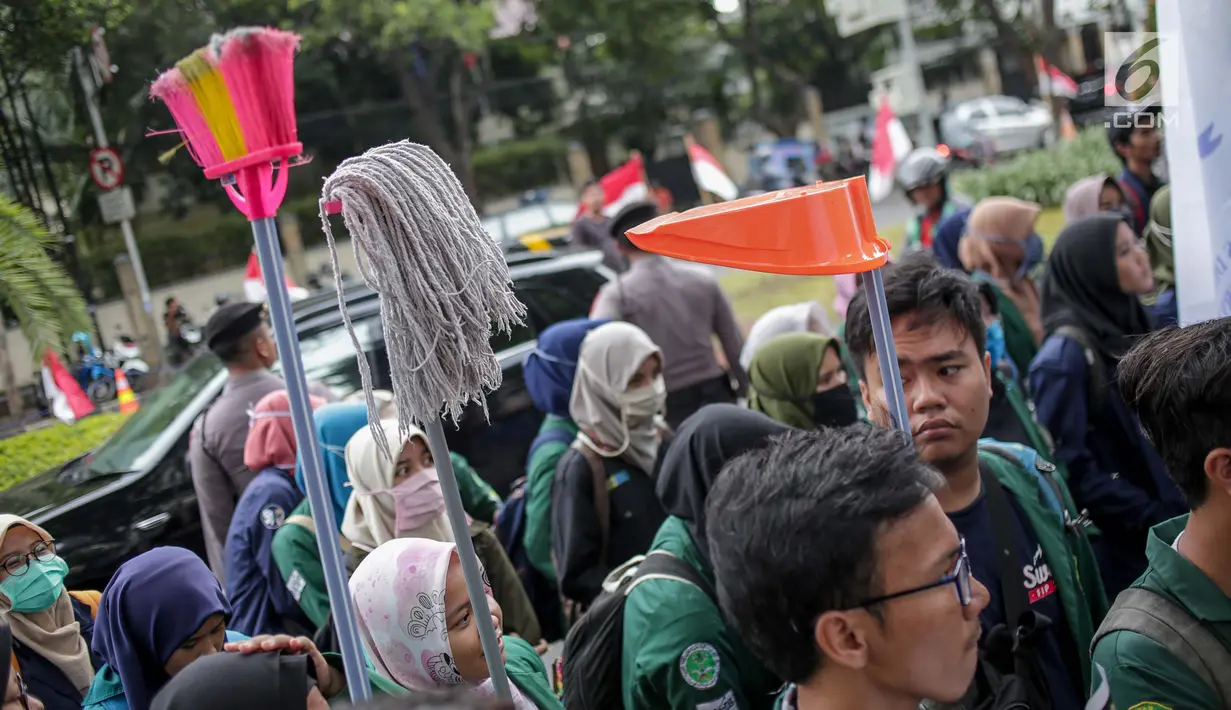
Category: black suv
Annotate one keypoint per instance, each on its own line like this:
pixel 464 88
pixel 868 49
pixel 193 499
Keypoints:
pixel 135 492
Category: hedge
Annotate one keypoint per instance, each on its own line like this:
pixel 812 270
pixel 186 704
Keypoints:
pixel 510 168
pixel 1042 176
pixel 34 452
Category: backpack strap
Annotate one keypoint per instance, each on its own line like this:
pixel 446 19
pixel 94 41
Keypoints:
pixel 90 598
pixel 660 564
pixel 557 435
pixel 1001 513
pixel 1161 620
pixel 1096 386
pixel 602 496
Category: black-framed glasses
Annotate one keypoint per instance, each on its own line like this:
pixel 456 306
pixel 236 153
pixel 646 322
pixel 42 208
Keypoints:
pixel 16 565
pixel 959 578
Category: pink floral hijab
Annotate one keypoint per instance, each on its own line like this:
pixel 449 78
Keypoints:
pixel 399 596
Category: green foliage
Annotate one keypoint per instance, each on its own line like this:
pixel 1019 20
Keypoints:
pixel 27 455
pixel 35 287
pixel 509 167
pixel 395 24
pixel 1042 176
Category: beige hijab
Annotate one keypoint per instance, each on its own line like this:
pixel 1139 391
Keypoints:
pixel 54 633
pixel 995 240
pixel 371 519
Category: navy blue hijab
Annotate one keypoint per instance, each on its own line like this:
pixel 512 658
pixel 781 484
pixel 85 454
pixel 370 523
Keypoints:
pixel 948 233
pixel 550 369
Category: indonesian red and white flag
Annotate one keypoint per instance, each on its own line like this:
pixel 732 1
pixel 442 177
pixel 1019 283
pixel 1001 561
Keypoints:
pixel 254 284
pixel 623 185
pixel 1052 81
pixel 890 145
pixel 68 402
pixel 708 172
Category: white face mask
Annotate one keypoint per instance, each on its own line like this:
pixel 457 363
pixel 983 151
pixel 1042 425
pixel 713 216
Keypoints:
pixel 644 403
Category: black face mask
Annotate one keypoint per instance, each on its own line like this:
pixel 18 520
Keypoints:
pixel 834 407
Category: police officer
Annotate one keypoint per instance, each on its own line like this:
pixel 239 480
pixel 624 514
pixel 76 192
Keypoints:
pixel 681 307
pixel 1176 382
pixel 238 334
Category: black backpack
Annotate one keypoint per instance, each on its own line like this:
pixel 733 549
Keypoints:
pixel 594 648
pixel 1097 382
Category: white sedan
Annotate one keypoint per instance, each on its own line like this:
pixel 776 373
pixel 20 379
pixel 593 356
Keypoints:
pixel 1008 123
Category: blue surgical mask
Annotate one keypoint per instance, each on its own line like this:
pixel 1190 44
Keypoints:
pixel 1034 255
pixel 38 588
pixel 995 343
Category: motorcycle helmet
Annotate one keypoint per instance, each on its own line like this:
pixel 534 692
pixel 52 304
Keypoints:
pixel 924 166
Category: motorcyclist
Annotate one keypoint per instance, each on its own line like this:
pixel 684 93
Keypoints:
pixel 924 176
pixel 182 335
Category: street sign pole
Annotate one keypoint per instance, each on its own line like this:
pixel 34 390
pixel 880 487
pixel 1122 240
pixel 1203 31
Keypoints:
pixel 100 140
pixel 910 59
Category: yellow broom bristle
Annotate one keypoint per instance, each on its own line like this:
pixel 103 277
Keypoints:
pixel 208 88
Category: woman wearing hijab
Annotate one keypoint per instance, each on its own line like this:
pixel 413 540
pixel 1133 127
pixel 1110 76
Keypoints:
pixel 403 499
pixel 1002 248
pixel 799 380
pixel 1091 301
pixel 420 633
pixel 161 611
pixel 806 317
pixel 1162 304
pixel 261 603
pixel 254 681
pixel 604 509
pixel 549 372
pixel 1090 196
pixel 949 235
pixel 664 620
pixel 51 627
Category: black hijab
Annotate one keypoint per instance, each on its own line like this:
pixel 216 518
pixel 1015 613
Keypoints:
pixel 703 444
pixel 1082 287
pixel 235 681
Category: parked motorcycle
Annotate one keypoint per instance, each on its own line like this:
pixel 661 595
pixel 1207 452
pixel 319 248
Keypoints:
pixel 95 371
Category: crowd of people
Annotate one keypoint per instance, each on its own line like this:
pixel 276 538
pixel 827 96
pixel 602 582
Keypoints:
pixel 733 527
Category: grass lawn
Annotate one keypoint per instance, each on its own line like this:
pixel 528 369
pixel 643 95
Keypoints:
pixel 752 293
pixel 33 452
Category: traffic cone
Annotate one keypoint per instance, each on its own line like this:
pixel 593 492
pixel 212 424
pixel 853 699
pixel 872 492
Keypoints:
pixel 124 393
pixel 1068 131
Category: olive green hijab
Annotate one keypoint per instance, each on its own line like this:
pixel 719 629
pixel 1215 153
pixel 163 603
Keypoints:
pixel 784 376
pixel 1158 242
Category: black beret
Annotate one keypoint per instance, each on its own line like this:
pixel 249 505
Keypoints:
pixel 232 322
pixel 632 215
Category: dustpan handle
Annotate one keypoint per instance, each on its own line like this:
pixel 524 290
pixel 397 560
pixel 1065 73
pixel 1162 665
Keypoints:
pixel 886 353
pixel 282 321
pixel 470 562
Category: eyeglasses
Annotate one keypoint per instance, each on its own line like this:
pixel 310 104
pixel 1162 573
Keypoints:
pixel 23 695
pixel 16 565
pixel 959 578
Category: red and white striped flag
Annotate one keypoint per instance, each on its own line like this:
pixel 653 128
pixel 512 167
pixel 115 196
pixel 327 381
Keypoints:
pixel 64 395
pixel 623 185
pixel 254 284
pixel 1052 81
pixel 708 172
pixel 889 146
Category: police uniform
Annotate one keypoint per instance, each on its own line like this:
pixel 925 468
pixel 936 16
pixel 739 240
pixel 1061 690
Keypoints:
pixel 216 449
pixel 678 651
pixel 1143 674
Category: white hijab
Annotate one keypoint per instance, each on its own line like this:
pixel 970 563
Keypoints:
pixel 371 520
pixel 610 356
pixel 794 318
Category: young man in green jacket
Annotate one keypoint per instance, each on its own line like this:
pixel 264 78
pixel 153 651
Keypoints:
pixel 1022 530
pixel 1177 383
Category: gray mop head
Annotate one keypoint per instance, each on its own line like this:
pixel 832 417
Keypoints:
pixel 443 282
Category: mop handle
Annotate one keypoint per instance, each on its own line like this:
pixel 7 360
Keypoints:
pixel 886 353
pixel 270 254
pixel 470 562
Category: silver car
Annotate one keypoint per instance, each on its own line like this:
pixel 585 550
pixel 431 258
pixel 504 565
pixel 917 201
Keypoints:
pixel 1007 123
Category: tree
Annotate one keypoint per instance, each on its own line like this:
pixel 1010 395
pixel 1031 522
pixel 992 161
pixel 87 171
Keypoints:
pixel 36 289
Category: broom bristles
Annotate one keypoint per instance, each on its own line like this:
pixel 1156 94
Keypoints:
pixel 258 66
pixel 214 101
pixel 172 89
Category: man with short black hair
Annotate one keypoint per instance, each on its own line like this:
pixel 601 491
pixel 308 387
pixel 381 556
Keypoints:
pixel 681 307
pixel 592 229
pixel 838 568
pixel 1178 382
pixel 1025 538
pixel 1137 143
pixel 238 334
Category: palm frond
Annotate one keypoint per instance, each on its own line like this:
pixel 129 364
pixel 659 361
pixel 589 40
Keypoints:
pixel 34 286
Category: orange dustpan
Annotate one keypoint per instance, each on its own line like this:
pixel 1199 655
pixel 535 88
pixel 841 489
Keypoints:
pixel 821 230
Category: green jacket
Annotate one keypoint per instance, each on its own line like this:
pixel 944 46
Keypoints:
pixel 1018 338
pixel 1040 438
pixel 540 471
pixel 914 228
pixel 1045 501
pixel 666 622
pixel 524 666
pixel 299 560
pixel 1142 673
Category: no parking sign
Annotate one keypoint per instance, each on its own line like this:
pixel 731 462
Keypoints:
pixel 106 168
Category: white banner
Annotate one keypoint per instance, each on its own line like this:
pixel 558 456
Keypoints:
pixel 854 16
pixel 1199 158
